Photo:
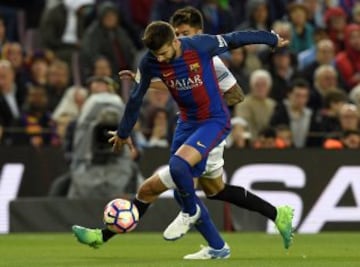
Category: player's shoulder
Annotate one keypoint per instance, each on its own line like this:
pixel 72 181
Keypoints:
pixel 147 61
pixel 196 42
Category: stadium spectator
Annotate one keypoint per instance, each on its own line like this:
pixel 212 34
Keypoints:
pixel 58 82
pixel 294 113
pixel 106 37
pixel 69 107
pixel 238 69
pixel 349 118
pixel 14 53
pixel 325 81
pixel 284 136
pixel 325 55
pixel 158 128
pixel 39 129
pixel 348 140
pixel 335 20
pixel 102 67
pixel 257 107
pixel 315 13
pixel 329 115
pixel 62 27
pixel 12 96
pixel 39 68
pixel 283 28
pixel 348 61
pixel 258 17
pixel 302 31
pixel 267 140
pixel 240 137
pixel 283 70
pixel 308 56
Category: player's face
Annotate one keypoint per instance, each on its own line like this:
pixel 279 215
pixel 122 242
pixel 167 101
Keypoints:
pixel 166 53
pixel 186 30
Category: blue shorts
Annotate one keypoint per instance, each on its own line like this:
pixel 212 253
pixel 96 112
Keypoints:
pixel 202 136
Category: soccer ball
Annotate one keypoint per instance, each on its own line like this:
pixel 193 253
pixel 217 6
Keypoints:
pixel 121 216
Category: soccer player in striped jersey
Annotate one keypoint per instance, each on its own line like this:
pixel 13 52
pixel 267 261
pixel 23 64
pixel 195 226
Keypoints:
pixel 186 67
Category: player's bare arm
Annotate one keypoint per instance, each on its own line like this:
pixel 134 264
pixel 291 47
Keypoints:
pixel 234 95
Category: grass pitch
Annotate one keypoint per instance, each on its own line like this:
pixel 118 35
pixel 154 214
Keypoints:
pixel 149 249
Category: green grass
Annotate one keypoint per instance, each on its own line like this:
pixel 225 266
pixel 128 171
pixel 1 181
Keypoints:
pixel 137 249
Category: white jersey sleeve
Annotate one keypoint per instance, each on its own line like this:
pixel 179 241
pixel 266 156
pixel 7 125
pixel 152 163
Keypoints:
pixel 225 78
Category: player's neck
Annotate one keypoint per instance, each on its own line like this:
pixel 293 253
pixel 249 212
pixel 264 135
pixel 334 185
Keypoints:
pixel 178 50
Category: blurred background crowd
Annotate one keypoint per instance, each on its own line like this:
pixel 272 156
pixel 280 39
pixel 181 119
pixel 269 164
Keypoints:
pixel 58 55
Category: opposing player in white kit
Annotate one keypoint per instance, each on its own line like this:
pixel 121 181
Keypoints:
pixel 187 22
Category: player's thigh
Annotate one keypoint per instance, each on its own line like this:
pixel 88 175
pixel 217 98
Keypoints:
pixel 207 136
pixel 151 188
pixel 201 141
pixel 211 186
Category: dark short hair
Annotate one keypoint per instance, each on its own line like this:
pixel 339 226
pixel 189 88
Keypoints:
pixel 347 133
pixel 268 132
pixel 299 82
pixel 187 15
pixel 157 34
pixel 334 97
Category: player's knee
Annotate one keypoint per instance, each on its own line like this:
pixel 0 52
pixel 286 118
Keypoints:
pixel 177 165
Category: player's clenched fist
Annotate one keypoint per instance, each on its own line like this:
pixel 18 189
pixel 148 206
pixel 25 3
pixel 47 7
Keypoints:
pixel 118 142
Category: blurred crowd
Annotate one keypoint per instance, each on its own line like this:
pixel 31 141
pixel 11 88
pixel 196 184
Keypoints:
pixel 56 54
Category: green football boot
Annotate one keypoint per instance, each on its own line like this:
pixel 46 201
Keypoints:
pixel 283 223
pixel 87 236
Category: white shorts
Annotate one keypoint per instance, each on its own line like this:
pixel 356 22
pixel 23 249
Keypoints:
pixel 213 168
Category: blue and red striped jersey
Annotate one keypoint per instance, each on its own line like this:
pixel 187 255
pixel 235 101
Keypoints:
pixel 191 77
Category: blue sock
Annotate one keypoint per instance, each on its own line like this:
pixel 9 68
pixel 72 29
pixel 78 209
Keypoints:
pixel 180 171
pixel 208 230
pixel 205 225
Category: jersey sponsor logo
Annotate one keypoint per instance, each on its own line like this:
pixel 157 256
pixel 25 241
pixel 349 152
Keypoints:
pixel 198 143
pixel 185 83
pixel 221 40
pixel 195 67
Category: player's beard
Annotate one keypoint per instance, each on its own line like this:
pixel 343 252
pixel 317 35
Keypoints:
pixel 173 55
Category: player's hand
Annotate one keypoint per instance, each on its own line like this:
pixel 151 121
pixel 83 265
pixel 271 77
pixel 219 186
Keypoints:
pixel 118 143
pixel 281 41
pixel 127 75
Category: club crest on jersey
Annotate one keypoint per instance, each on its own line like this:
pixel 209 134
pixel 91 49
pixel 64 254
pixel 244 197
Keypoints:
pixel 185 83
pixel 194 67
